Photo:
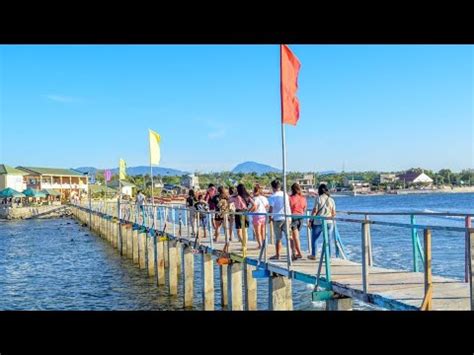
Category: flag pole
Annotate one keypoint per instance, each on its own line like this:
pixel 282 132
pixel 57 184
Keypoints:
pixel 283 151
pixel 151 174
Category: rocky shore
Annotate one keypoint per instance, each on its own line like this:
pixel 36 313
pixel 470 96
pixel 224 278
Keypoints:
pixel 9 213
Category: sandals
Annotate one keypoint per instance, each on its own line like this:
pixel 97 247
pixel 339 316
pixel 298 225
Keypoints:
pixel 311 257
pixel 274 257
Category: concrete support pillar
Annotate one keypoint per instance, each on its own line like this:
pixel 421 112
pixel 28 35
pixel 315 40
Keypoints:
pixel 339 304
pixel 250 287
pixel 160 262
pixel 279 296
pixel 114 235
pixel 123 241
pixel 179 256
pixel 207 282
pixel 166 252
pixel 172 268
pixel 223 285
pixel 234 286
pixel 150 241
pixel 141 250
pixel 188 268
pixel 135 246
pixel 129 242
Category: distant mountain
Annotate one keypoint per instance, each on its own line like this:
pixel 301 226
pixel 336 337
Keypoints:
pixel 89 169
pixel 138 170
pixel 253 167
pixel 327 172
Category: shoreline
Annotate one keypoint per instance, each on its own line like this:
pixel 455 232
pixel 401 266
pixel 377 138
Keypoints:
pixel 408 192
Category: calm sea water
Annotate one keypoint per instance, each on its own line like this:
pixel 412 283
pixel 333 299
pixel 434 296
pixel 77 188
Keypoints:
pixel 58 265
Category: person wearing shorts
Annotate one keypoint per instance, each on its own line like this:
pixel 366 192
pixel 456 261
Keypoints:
pixel 260 206
pixel 277 206
pixel 231 212
pixel 242 201
pixel 298 206
pixel 190 201
pixel 221 201
pixel 201 209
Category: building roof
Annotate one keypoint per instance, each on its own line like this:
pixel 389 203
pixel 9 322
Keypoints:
pixel 410 176
pixel 8 170
pixel 49 171
pixel 51 192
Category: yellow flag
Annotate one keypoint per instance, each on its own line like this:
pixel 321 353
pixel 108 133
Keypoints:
pixel 155 154
pixel 122 169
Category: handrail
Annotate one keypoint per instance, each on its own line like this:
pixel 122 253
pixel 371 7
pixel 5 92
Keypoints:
pixel 350 220
pixel 449 214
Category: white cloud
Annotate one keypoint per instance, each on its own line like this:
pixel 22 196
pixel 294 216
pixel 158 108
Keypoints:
pixel 62 98
pixel 216 128
pixel 217 134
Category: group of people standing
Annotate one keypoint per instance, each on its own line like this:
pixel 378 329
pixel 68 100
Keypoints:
pixel 228 203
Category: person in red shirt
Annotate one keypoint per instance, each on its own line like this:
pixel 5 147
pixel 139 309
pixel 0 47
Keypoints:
pixel 298 206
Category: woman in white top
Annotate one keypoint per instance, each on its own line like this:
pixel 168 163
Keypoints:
pixel 260 206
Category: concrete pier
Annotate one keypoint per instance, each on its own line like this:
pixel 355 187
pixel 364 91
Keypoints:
pixel 346 279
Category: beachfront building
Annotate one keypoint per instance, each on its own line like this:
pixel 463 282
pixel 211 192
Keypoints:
pixel 67 181
pixel 126 187
pixel 158 183
pixel 12 178
pixel 190 181
pixel 387 178
pixel 415 178
pixel 306 183
pixel 357 184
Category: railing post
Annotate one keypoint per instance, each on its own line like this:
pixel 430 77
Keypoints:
pixel 427 304
pixel 369 244
pixel 365 255
pixel 466 250
pixel 308 233
pixel 90 209
pixel 327 253
pixel 209 223
pixel 470 252
pixel 414 237
pixel 173 216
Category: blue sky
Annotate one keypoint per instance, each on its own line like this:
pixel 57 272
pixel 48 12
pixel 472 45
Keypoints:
pixel 368 107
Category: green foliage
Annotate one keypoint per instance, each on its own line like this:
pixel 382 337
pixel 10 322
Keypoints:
pixel 227 178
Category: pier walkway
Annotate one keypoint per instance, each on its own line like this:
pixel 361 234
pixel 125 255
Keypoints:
pixel 161 236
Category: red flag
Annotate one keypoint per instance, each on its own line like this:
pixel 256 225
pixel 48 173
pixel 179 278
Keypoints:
pixel 289 68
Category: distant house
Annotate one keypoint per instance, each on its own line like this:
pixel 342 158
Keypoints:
pixel 414 178
pixel 306 182
pixel 157 183
pixel 126 187
pixel 357 183
pixel 387 178
pixel 190 181
pixel 11 177
pixel 352 180
pixel 67 181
